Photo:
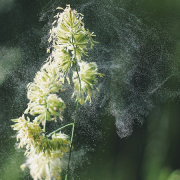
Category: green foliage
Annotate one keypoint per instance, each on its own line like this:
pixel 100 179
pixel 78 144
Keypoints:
pixel 175 175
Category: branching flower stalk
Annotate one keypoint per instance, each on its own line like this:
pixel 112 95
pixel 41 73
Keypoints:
pixel 69 42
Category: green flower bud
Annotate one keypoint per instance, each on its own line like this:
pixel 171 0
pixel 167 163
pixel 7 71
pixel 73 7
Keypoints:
pixel 62 58
pixel 55 105
pixel 88 78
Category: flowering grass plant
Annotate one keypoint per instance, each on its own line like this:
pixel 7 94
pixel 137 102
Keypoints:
pixel 69 43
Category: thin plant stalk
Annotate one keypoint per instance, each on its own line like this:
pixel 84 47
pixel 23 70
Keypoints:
pixel 45 122
pixel 49 172
pixel 72 133
pixel 59 129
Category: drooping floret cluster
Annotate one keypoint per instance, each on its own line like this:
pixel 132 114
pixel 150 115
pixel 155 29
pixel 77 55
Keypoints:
pixel 69 42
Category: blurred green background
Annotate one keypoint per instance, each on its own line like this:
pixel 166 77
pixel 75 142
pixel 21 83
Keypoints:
pixel 141 37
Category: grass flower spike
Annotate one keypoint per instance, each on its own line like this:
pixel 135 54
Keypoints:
pixel 69 43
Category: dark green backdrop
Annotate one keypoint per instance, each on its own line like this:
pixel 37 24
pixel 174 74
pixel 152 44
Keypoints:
pixel 132 129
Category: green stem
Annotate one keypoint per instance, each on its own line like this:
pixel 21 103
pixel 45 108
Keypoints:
pixel 44 129
pixel 49 172
pixel 59 129
pixel 72 133
pixel 79 83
